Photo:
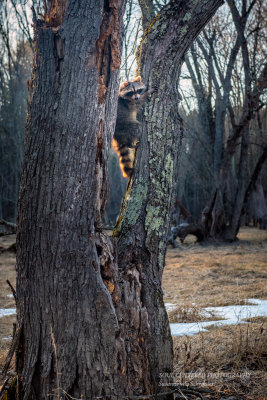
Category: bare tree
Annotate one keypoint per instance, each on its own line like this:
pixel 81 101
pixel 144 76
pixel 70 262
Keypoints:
pixel 15 66
pixel 229 94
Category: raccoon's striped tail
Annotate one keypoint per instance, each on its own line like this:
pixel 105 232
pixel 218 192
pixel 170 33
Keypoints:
pixel 125 155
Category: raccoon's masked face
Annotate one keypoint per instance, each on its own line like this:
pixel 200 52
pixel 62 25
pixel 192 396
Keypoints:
pixel 132 92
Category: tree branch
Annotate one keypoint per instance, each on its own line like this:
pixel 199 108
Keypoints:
pixel 148 12
pixel 248 114
pixel 255 174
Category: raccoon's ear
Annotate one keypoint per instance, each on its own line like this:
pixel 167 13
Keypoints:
pixel 123 85
pixel 137 79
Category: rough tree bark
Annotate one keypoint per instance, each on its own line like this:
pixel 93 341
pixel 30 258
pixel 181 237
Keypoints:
pixel 143 228
pixel 88 325
pixel 67 289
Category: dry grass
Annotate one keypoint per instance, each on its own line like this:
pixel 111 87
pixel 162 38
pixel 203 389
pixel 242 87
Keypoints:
pixel 233 347
pixel 193 273
pixel 7 271
pixel 191 313
pixel 232 357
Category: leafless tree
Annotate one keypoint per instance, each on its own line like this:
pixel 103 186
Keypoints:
pixel 229 92
pixel 15 66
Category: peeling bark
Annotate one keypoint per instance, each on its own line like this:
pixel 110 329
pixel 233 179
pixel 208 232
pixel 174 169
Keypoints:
pixel 54 13
pixel 108 47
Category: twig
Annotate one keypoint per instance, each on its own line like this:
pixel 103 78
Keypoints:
pixel 182 395
pixel 12 290
pixel 4 386
pixel 149 396
pixel 196 389
pixel 69 396
pixel 55 351
pixel 13 348
pixel 183 390
pixel 34 16
pixel 197 394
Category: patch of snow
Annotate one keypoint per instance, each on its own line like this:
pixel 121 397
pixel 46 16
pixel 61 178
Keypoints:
pixel 7 311
pixel 7 338
pixel 170 306
pixel 230 315
pixel 189 329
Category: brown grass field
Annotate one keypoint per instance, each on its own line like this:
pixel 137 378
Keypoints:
pixel 230 360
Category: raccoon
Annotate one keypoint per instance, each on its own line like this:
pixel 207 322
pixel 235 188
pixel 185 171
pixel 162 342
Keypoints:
pixel 132 95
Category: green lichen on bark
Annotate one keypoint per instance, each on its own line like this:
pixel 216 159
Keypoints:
pixel 167 172
pixel 154 220
pixel 184 30
pixel 135 202
pixel 153 24
pixel 156 211
pixel 187 16
pixel 156 214
pixel 132 206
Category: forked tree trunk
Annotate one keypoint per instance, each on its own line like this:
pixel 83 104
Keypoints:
pixel 90 326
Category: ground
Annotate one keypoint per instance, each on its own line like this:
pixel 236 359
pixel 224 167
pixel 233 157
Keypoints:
pixel 231 360
pixel 7 272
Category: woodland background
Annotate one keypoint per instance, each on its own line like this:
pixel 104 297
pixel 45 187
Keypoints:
pixel 219 75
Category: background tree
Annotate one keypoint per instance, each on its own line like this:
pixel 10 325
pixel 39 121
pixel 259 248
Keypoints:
pixel 228 84
pixel 15 66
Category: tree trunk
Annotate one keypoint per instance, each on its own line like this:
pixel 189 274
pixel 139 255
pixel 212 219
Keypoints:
pixel 220 111
pixel 70 340
pixel 244 191
pixel 258 206
pixel 243 173
pixel 143 227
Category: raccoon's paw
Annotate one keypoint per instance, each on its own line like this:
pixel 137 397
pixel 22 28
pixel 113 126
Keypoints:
pixel 136 144
pixel 155 88
pixel 152 90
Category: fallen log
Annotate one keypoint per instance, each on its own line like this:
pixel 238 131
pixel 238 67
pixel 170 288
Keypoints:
pixel 7 228
pixel 183 230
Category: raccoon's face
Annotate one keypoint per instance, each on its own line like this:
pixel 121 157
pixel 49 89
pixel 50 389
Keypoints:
pixel 132 92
